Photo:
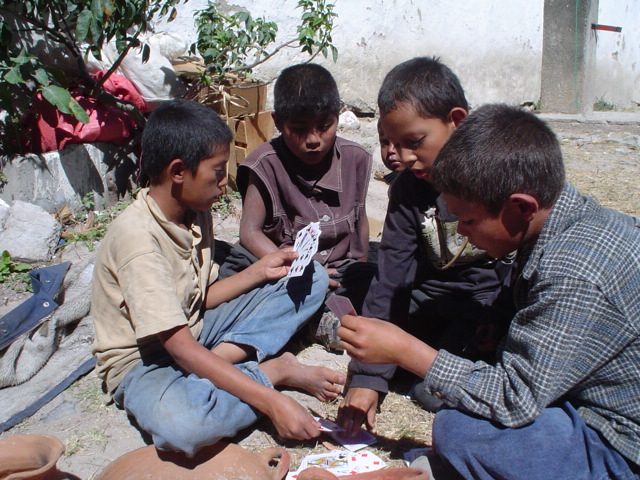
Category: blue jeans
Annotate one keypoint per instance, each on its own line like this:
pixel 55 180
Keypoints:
pixel 557 445
pixel 184 412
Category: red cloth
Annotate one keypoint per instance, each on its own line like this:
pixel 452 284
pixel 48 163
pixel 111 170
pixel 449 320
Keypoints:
pixel 52 129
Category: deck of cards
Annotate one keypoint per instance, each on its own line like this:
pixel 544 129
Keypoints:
pixel 341 462
pixel 360 440
pixel 306 245
pixel 340 306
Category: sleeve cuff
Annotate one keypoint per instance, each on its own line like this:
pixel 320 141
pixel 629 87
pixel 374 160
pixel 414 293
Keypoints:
pixel 445 377
pixel 374 377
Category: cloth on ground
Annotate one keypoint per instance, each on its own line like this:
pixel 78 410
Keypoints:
pixel 54 349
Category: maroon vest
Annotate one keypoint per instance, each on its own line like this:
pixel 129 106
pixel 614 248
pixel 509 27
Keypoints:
pixel 336 199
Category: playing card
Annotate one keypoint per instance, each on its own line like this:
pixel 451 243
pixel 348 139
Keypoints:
pixel 365 461
pixel 341 462
pixel 328 425
pixel 340 306
pixel 335 461
pixel 360 440
pixel 306 244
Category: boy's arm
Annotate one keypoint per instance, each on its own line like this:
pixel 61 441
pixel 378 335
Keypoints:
pixel 290 418
pixel 388 297
pixel 364 233
pixel 377 342
pixel 270 267
pixel 254 215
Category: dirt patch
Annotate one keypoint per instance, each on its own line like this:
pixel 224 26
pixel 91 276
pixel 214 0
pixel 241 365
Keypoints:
pixel 602 161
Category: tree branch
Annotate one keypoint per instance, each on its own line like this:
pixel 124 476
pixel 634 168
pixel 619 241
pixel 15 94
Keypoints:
pixel 264 59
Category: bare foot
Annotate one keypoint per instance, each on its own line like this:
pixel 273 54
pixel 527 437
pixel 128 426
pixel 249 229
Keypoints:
pixel 323 383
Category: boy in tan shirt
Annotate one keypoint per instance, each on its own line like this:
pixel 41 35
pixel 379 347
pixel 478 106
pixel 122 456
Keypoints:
pixel 191 358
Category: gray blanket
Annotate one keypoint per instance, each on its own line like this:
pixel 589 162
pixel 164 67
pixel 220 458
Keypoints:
pixel 41 362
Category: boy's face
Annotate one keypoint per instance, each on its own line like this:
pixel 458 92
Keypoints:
pixel 418 139
pixel 202 190
pixel 388 152
pixel 309 138
pixel 498 235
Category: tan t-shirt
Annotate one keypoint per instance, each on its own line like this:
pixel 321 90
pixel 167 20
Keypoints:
pixel 150 276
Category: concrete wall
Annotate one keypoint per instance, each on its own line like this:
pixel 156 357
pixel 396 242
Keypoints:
pixel 494 46
pixel 57 179
pixel 617 73
pixel 568 56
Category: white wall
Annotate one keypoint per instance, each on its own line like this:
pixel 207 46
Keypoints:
pixel 617 77
pixel 495 46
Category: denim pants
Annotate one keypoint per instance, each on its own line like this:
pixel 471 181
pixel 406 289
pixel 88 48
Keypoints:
pixel 558 445
pixel 184 412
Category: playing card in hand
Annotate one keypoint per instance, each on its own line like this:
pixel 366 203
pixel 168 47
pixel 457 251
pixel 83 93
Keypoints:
pixel 340 306
pixel 306 245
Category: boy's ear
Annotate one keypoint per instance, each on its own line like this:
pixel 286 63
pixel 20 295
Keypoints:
pixel 277 121
pixel 523 206
pixel 457 114
pixel 176 170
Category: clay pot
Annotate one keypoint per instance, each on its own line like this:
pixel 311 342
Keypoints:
pixel 220 461
pixel 315 473
pixel 32 457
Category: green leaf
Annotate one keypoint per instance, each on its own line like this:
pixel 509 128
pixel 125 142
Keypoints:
pixel 95 28
pixel 82 26
pixel 58 97
pixel 13 76
pixel 97 10
pixel 242 16
pixel 41 76
pixel 21 267
pixel 23 58
pixel 78 112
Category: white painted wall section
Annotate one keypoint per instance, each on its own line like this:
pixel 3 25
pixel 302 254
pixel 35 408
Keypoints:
pixel 495 46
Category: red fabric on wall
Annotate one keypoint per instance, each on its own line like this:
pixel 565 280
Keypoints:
pixel 52 129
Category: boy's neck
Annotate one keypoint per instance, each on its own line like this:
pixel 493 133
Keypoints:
pixel 314 172
pixel 173 210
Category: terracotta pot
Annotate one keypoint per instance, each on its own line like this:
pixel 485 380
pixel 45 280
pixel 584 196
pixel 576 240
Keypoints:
pixel 32 457
pixel 220 461
pixel 315 473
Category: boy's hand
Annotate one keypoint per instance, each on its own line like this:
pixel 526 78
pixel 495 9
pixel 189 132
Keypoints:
pixel 292 420
pixel 360 405
pixel 370 340
pixel 276 265
pixel 333 283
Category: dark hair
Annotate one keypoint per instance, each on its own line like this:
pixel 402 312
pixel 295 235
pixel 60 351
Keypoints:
pixel 306 89
pixel 499 150
pixel 427 84
pixel 181 129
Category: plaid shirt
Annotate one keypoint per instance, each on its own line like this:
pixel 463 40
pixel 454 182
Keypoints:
pixel 575 336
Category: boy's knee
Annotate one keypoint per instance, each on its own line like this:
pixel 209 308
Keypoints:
pixel 187 438
pixel 320 277
pixel 452 432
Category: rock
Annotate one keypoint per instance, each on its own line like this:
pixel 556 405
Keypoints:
pixel 4 212
pixel 30 233
pixel 349 121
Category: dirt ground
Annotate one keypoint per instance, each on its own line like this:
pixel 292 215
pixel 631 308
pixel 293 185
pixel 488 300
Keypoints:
pixel 602 160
